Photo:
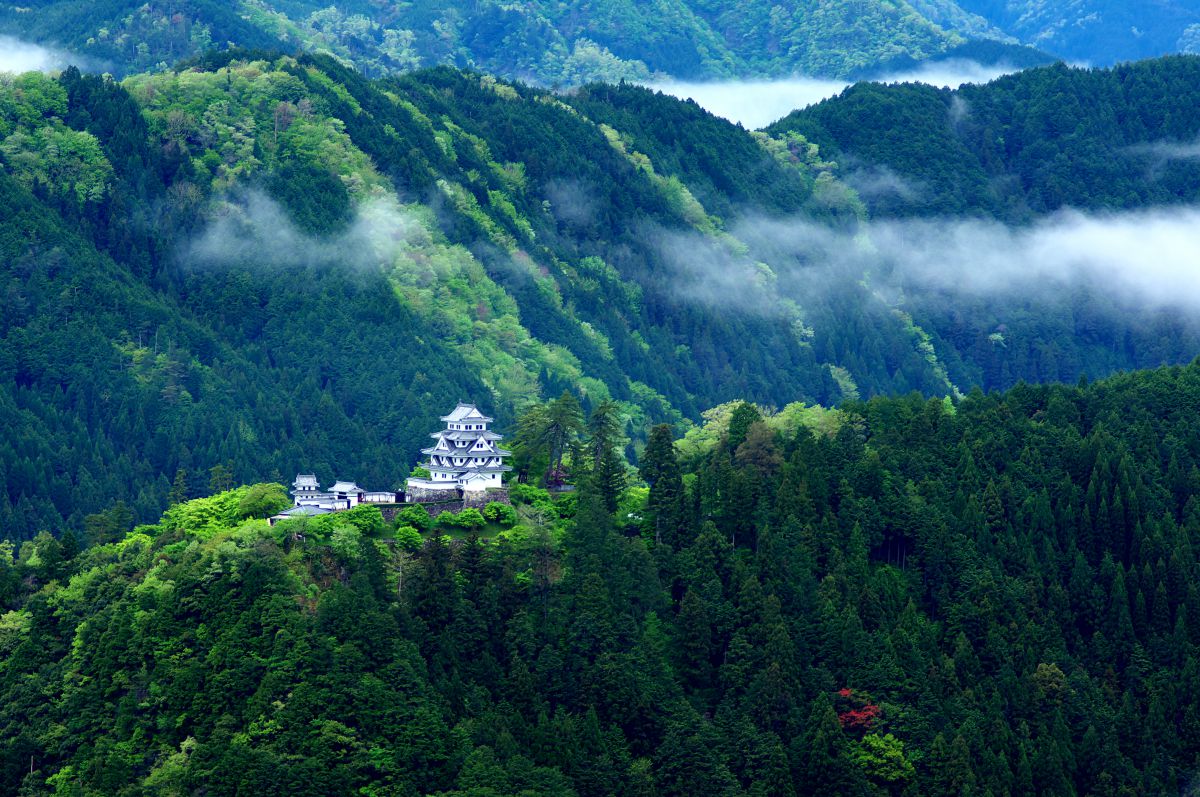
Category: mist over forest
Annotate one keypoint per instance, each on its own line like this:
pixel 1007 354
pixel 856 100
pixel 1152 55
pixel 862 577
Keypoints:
pixel 568 400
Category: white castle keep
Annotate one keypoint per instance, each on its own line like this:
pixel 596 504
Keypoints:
pixel 465 456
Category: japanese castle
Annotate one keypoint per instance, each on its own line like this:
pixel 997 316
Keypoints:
pixel 465 462
pixel 465 456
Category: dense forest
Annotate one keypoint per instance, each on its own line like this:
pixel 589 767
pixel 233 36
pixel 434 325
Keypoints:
pixel 831 473
pixel 1097 31
pixel 257 264
pixel 573 43
pixel 993 595
pixel 1021 146
pixel 545 42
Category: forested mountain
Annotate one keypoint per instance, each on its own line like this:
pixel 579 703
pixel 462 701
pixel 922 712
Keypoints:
pixel 1097 31
pixel 290 282
pixel 547 42
pixel 571 43
pixel 1021 146
pixel 991 596
pixel 260 264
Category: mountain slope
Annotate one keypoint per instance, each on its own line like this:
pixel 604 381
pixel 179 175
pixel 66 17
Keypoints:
pixel 999 591
pixel 550 43
pixel 109 388
pixel 243 207
pixel 352 256
pixel 1024 145
pixel 1097 31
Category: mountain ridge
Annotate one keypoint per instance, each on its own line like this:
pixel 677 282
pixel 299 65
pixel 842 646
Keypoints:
pixel 360 253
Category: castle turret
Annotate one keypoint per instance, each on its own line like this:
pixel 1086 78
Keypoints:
pixel 306 491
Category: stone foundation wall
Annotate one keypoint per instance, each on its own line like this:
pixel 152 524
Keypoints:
pixel 438 501
pixel 420 495
pixel 434 508
pixel 478 500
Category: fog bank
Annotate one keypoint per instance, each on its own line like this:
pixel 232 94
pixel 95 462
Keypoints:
pixel 757 103
pixel 22 56
pixel 1145 260
pixel 253 229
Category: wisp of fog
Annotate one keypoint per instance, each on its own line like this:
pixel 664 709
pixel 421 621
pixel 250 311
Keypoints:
pixel 1140 260
pixel 757 103
pixel 21 56
pixel 253 229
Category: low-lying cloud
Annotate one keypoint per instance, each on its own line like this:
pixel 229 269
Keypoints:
pixel 1167 150
pixel 1149 258
pixel 22 56
pixel 757 103
pixel 253 229
pixel 880 182
pixel 1140 260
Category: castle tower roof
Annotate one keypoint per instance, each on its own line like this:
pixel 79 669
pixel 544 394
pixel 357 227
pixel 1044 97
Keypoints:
pixel 466 412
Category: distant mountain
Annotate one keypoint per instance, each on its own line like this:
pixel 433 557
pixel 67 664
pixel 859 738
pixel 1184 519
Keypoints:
pixel 984 52
pixel 548 43
pixel 1097 31
pixel 1021 146
pixel 572 43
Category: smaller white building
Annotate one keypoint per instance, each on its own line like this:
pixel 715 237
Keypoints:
pixel 307 492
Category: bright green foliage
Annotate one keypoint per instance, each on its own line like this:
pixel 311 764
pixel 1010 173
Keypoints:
pixel 569 43
pixel 527 493
pixel 346 544
pixel 40 149
pixel 31 100
pixel 408 538
pixel 882 759
pixel 65 159
pixel 367 519
pixel 206 516
pixel 416 516
pixel 469 518
pixel 263 500
pixel 700 439
pixel 249 116
pixel 502 514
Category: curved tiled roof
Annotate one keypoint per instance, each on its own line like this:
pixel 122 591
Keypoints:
pixel 464 412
